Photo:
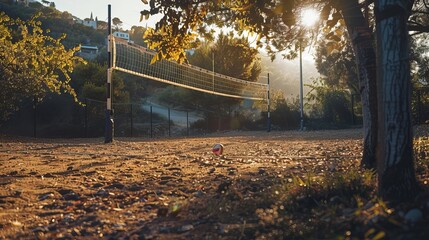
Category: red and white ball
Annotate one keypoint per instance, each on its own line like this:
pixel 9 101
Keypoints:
pixel 217 149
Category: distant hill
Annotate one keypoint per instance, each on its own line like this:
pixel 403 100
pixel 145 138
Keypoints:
pixel 57 22
pixel 65 23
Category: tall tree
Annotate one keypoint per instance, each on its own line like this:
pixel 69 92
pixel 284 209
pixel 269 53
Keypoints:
pixel 395 168
pixel 31 63
pixel 362 42
pixel 117 23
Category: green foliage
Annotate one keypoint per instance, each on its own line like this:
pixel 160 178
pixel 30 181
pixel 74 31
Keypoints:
pixel 32 63
pixel 136 35
pixel 338 67
pixel 284 114
pixel 90 82
pixel 329 102
pixel 285 117
pixel 117 23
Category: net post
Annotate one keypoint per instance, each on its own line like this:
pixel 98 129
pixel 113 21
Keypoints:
pixel 34 116
pixel 213 68
pixel 108 134
pixel 268 104
pixel 131 119
pixel 301 93
pixel 86 117
pixel 187 123
pixel 169 123
pixel 353 108
pixel 151 123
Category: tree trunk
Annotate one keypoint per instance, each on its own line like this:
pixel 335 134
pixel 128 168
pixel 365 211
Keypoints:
pixel 396 175
pixel 363 47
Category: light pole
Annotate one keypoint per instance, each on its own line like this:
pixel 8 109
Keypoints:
pixel 213 71
pixel 308 18
pixel 301 92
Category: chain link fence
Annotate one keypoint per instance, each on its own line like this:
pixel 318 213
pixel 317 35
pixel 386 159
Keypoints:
pixel 60 117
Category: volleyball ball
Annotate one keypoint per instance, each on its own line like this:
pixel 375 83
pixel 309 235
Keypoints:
pixel 217 149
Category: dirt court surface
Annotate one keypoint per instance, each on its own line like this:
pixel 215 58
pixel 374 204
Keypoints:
pixel 151 189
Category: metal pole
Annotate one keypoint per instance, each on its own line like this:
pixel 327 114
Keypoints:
pixel 213 67
pixel 301 100
pixel 268 103
pixel 86 117
pixel 131 119
pixel 35 117
pixel 151 123
pixel 353 109
pixel 108 135
pixel 187 123
pixel 169 123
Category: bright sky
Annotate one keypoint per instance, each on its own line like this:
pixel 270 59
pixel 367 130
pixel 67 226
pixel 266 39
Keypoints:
pixel 128 11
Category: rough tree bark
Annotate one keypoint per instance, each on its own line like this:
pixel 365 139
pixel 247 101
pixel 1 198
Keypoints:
pixel 363 47
pixel 396 174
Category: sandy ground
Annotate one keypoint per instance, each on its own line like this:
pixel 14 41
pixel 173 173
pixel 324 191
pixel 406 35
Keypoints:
pixel 150 189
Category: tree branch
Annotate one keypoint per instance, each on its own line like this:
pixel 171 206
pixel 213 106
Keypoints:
pixel 419 28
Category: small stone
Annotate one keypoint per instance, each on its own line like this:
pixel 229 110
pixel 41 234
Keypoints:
pixel 185 228
pixel 162 211
pixel 75 232
pixel 102 193
pixel 97 185
pixel 116 185
pixel 199 193
pixel 46 196
pixel 16 224
pixel 50 175
pixel 41 229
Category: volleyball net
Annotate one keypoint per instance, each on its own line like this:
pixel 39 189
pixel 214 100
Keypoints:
pixel 136 60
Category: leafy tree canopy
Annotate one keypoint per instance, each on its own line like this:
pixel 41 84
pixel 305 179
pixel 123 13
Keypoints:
pixel 232 56
pixel 32 64
pixel 276 23
pixel 117 23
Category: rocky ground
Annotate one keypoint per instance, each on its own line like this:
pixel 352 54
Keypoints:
pixel 155 189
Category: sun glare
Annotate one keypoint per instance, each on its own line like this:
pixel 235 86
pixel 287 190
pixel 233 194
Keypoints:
pixel 309 17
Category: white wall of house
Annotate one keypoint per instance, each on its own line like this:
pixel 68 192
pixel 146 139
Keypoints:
pixel 122 35
pixel 90 23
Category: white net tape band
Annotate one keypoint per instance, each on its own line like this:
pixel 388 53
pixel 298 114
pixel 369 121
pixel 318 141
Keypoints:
pixel 134 59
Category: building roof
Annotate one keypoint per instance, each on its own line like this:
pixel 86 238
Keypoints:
pixel 89 47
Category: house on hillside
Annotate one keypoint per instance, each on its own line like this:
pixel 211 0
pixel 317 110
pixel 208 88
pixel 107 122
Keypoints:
pixel 89 22
pixel 123 35
pixel 88 52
